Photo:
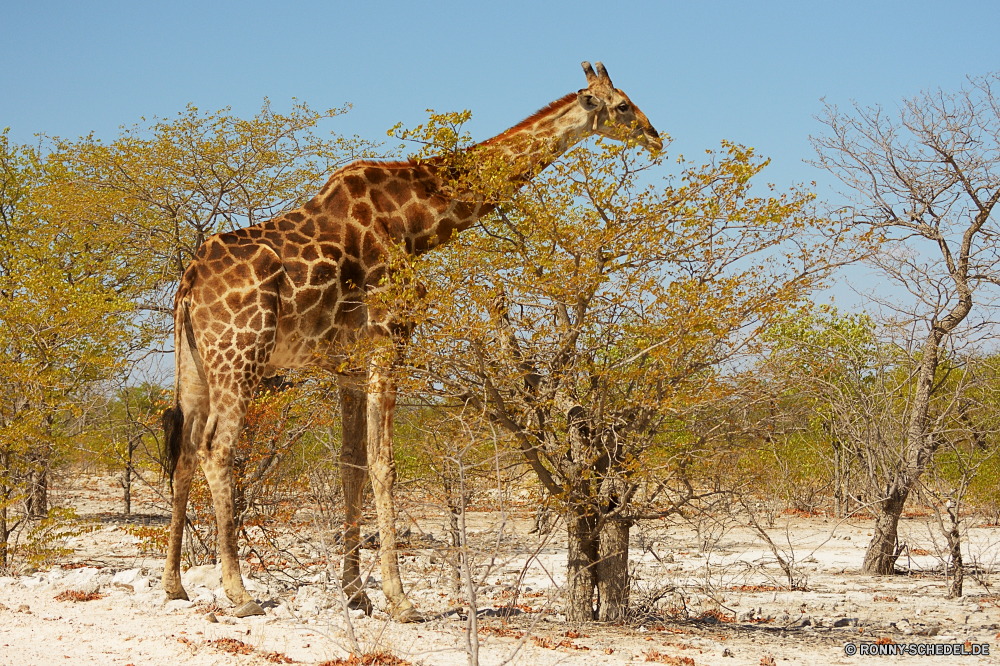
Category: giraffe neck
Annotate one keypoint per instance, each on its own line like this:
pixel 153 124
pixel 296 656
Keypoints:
pixel 522 151
pixel 539 140
pixel 414 204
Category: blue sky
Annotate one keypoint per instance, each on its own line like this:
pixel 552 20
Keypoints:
pixel 753 73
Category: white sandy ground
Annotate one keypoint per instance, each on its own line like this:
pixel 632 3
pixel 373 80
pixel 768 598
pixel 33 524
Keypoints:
pixel 132 624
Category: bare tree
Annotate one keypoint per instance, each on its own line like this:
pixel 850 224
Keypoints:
pixel 924 181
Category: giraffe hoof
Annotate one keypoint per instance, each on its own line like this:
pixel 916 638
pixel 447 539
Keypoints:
pixel 408 616
pixel 178 594
pixel 249 608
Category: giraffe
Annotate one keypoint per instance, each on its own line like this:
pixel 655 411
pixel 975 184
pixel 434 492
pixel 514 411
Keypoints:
pixel 290 293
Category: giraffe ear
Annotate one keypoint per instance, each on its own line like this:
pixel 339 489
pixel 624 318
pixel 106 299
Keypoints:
pixel 588 100
pixel 589 71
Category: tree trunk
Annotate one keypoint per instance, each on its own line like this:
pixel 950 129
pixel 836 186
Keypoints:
pixel 127 477
pixel 580 569
pixel 612 572
pixel 454 513
pixel 882 552
pixel 880 560
pixel 38 499
pixel 4 499
pixel 955 546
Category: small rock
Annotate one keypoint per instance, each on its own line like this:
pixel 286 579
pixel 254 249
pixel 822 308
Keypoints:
pixel 210 617
pixel 727 653
pixel 221 598
pixel 24 608
pixel 356 613
pixel 846 622
pixel 206 575
pixel 379 600
pixel 33 582
pixel 127 579
pixel 178 604
pixel 86 587
pixel 253 586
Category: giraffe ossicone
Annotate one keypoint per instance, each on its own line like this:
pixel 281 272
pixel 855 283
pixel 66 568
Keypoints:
pixel 290 293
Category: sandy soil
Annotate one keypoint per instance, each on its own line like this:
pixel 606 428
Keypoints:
pixel 724 604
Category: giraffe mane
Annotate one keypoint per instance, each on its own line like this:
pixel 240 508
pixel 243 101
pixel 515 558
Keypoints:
pixel 533 118
pixel 389 164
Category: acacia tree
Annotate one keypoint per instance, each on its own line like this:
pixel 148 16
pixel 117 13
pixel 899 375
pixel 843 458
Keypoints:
pixel 591 311
pixel 66 320
pixel 925 180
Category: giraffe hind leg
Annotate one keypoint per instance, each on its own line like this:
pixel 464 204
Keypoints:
pixel 190 419
pixel 229 405
pixel 216 456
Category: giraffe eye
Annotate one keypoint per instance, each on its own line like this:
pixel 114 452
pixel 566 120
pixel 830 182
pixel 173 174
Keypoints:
pixel 623 107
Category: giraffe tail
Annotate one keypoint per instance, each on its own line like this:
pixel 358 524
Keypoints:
pixel 173 418
pixel 173 431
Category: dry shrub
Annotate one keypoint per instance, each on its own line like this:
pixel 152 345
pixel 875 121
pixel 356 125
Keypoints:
pixel 152 538
pixel 716 615
pixel 270 483
pixel 368 659
pixel 768 660
pixel 71 595
pixel 277 658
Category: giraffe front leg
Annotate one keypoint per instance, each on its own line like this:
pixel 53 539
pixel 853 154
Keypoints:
pixel 353 466
pixel 183 473
pixel 382 469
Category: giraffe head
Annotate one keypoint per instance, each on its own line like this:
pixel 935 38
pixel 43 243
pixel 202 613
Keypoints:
pixel 607 106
